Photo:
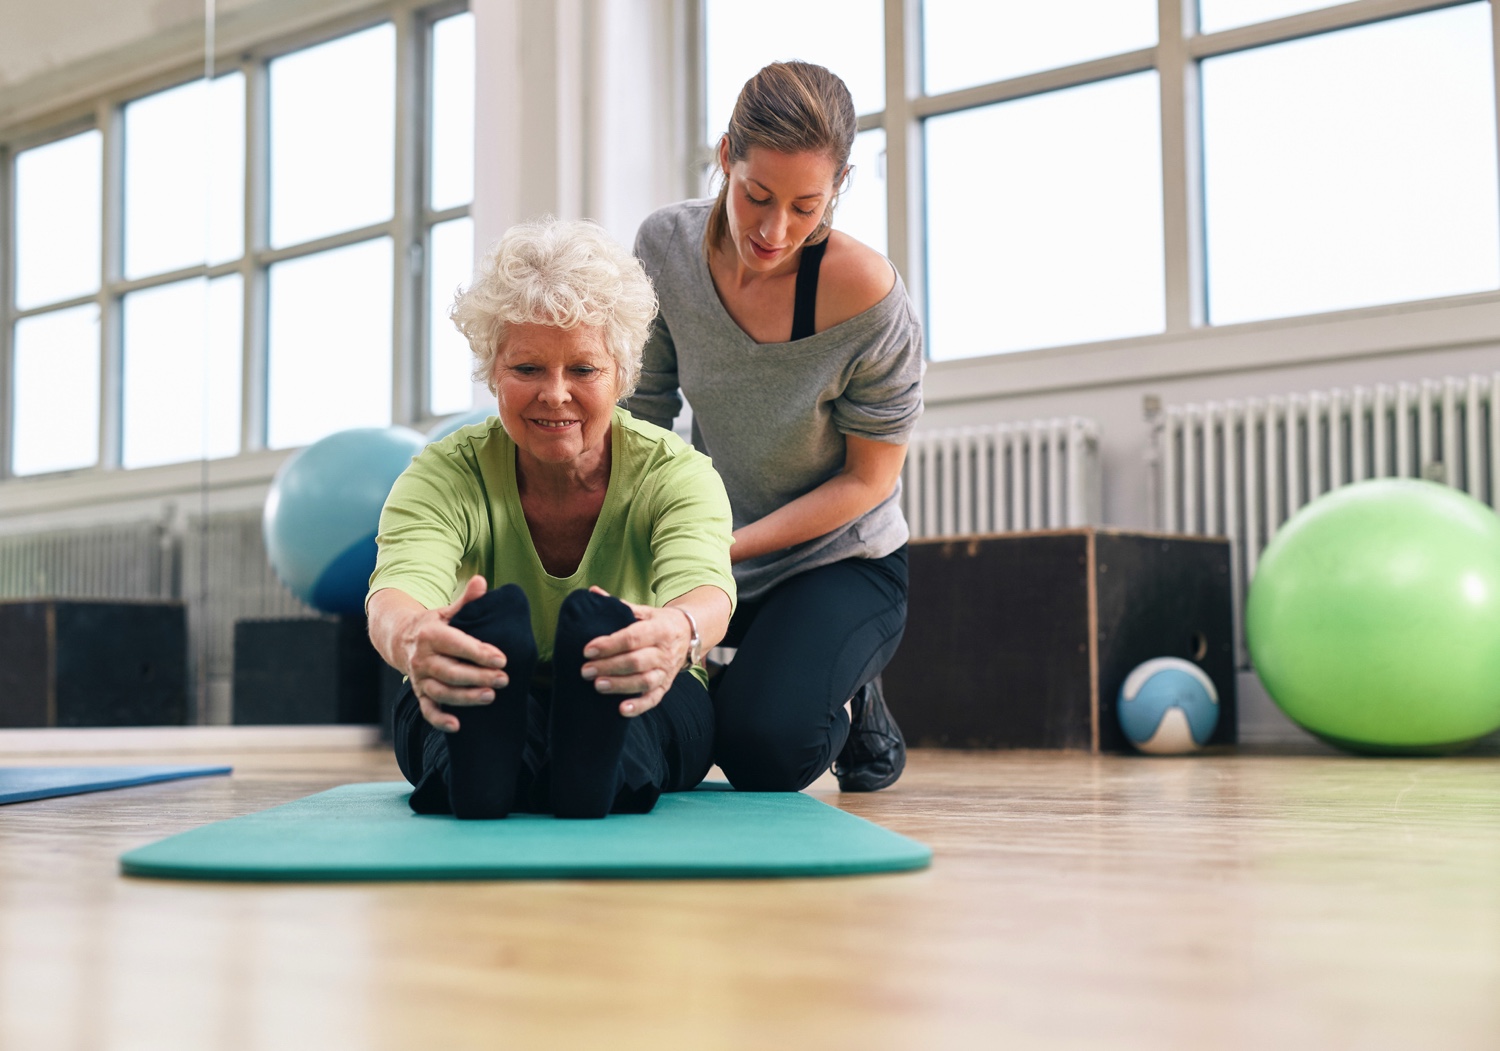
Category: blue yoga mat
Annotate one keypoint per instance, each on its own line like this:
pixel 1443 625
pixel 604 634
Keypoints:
pixel 367 832
pixel 21 783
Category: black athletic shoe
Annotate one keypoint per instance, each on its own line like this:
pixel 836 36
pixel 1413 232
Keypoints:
pixel 875 753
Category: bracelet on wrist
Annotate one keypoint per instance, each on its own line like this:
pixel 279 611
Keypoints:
pixel 695 641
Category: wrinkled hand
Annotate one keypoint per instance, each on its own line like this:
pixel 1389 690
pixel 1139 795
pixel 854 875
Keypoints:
pixel 643 658
pixel 449 666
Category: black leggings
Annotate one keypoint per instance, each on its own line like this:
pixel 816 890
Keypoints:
pixel 667 748
pixel 803 649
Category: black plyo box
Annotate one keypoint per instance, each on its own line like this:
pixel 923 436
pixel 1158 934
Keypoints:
pixel 305 671
pixel 1023 640
pixel 85 662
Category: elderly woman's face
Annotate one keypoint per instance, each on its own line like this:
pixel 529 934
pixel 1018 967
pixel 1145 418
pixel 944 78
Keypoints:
pixel 557 389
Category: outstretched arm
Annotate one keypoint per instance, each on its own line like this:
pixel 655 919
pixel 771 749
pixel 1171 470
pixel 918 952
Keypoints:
pixel 445 665
pixel 645 657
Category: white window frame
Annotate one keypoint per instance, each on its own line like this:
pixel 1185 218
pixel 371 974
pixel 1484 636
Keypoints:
pixel 1188 345
pixel 409 229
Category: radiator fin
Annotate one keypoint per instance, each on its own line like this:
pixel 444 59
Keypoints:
pixel 1002 478
pixel 126 560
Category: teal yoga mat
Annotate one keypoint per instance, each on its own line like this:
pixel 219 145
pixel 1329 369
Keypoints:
pixel 19 784
pixel 367 832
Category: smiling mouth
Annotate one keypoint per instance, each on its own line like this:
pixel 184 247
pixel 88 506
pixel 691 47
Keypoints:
pixel 554 425
pixel 761 250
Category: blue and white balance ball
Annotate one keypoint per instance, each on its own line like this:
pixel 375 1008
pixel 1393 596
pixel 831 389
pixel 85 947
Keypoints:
pixel 324 508
pixel 1168 706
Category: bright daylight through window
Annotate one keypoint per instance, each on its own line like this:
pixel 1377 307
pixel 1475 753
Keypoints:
pixel 1320 157
pixel 209 298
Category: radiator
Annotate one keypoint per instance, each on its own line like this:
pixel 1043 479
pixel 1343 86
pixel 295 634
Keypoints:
pixel 127 560
pixel 1002 478
pixel 1241 468
pixel 217 565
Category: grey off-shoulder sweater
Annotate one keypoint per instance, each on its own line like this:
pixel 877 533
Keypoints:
pixel 773 416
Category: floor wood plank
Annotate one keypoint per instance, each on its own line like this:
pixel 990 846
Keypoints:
pixel 1217 901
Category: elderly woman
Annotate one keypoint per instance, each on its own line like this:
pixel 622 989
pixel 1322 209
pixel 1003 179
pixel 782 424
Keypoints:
pixel 547 580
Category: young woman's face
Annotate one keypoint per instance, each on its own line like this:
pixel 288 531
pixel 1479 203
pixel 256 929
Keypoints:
pixel 775 201
pixel 556 389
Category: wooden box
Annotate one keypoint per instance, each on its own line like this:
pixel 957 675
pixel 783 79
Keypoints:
pixel 86 662
pixel 303 671
pixel 1023 640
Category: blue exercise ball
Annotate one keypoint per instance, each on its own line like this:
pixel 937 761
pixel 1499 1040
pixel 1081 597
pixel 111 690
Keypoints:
pixel 449 424
pixel 1168 706
pixel 323 511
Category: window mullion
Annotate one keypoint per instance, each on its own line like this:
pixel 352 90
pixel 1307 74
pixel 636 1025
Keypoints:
pixel 903 144
pixel 691 24
pixel 1309 23
pixel 433 218
pixel 252 271
pixel 1181 166
pixel 1495 65
pixel 408 236
pixel 111 365
pixel 7 314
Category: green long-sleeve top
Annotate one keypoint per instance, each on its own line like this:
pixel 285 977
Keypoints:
pixel 664 528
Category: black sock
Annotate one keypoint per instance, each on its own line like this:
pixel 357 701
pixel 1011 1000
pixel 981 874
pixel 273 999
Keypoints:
pixel 587 731
pixel 484 755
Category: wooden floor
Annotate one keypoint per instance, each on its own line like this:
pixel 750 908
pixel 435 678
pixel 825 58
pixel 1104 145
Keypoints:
pixel 1218 902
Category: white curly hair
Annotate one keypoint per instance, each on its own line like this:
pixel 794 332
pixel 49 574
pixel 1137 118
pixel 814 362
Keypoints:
pixel 558 272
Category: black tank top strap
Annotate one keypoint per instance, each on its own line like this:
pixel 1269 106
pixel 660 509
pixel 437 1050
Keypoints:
pixel 806 306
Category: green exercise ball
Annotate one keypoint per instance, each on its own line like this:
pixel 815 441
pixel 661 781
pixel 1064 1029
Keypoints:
pixel 1374 618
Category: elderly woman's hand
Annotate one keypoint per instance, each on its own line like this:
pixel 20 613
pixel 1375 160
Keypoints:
pixel 646 657
pixel 445 665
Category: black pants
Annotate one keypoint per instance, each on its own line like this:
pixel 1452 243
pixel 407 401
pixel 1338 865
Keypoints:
pixel 803 649
pixel 667 749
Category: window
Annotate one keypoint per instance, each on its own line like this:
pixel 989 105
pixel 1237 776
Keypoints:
pixel 55 356
pixel 333 160
pixel 1044 220
pixel 1080 171
pixel 58 200
pixel 181 376
pixel 1352 168
pixel 449 389
pixel 56 383
pixel 216 317
pixel 185 177
pixel 452 113
pixel 184 209
pixel 861 208
pixel 333 137
pixel 965 43
pixel 330 343
pixel 450 232
pixel 847 37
